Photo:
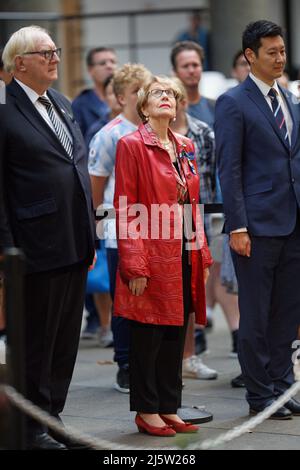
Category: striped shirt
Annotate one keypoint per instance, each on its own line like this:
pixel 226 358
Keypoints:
pixel 203 138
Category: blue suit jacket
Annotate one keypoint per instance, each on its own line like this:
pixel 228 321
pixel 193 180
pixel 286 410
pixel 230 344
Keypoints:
pixel 259 171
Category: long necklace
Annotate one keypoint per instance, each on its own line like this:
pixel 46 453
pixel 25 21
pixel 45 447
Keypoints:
pixel 166 145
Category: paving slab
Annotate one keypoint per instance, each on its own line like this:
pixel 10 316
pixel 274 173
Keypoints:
pixel 94 407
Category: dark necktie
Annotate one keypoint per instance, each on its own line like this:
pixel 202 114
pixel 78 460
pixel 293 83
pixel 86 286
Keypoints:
pixel 59 128
pixel 278 114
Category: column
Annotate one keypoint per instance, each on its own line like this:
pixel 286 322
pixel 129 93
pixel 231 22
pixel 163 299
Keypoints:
pixel 228 21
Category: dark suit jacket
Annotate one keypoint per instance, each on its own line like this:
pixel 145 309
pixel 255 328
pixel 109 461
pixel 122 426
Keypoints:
pixel 259 172
pixel 45 197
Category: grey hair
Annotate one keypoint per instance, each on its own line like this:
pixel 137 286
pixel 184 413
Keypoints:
pixel 143 93
pixel 23 40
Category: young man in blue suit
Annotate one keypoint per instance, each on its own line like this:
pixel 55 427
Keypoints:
pixel 258 151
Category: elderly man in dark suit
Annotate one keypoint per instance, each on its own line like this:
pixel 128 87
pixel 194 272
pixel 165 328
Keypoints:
pixel 258 150
pixel 46 209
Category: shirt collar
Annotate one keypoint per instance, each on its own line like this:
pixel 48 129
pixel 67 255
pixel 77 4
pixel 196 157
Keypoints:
pixel 150 137
pixel 32 95
pixel 124 119
pixel 264 87
pixel 192 124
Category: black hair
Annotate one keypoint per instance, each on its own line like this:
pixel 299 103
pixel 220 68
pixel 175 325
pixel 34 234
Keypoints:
pixel 257 30
pixel 186 46
pixel 92 52
pixel 236 58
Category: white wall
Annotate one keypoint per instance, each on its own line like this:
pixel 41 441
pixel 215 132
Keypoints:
pixel 228 21
pixel 123 5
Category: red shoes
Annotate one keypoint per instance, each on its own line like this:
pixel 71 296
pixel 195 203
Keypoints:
pixel 171 428
pixel 153 430
pixel 180 427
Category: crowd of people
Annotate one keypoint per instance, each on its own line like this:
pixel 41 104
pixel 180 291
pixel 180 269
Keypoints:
pixel 144 146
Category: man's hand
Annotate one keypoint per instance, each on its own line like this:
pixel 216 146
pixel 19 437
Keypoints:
pixel 137 286
pixel 241 243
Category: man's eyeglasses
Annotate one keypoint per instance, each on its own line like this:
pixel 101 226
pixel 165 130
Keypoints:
pixel 158 93
pixel 48 55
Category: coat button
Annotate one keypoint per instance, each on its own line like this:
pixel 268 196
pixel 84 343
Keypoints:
pixel 189 177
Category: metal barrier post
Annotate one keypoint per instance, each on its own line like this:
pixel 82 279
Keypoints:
pixel 14 298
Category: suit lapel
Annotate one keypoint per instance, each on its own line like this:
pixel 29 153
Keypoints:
pixel 26 107
pixel 69 120
pixel 292 109
pixel 65 115
pixel 258 98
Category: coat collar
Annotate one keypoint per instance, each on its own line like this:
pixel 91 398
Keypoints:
pixel 150 138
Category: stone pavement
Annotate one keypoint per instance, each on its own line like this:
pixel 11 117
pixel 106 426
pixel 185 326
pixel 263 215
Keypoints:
pixel 94 407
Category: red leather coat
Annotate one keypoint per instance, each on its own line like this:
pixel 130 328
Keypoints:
pixel 144 174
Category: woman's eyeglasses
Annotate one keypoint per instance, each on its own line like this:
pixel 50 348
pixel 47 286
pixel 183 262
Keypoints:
pixel 48 55
pixel 158 93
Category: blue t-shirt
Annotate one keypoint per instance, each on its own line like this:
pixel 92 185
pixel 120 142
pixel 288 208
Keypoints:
pixel 88 108
pixel 204 111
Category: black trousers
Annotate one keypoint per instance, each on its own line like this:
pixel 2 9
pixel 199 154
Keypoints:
pixel 53 313
pixel 269 299
pixel 155 359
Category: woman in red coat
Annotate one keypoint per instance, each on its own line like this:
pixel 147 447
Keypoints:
pixel 164 258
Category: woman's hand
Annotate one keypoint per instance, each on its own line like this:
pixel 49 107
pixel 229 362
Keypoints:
pixel 91 267
pixel 137 286
pixel 206 274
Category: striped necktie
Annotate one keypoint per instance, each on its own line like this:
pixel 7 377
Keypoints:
pixel 59 128
pixel 278 114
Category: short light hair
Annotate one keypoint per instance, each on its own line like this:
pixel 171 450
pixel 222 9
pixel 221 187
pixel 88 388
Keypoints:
pixel 143 93
pixel 23 40
pixel 128 75
pixel 180 85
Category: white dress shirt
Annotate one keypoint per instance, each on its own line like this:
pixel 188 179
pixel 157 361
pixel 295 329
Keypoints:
pixel 265 88
pixel 33 96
